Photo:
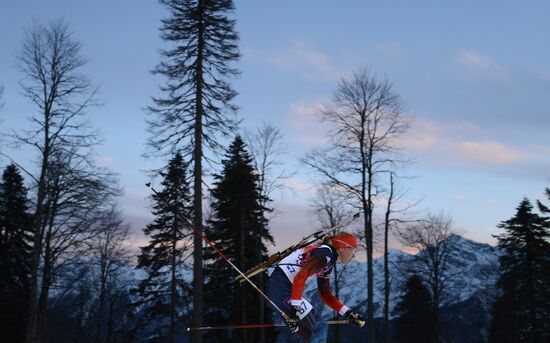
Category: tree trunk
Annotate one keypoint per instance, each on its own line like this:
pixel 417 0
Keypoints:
pixel 32 334
pixel 198 276
pixel 244 336
pixel 79 319
pixel 370 277
pixel 101 308
pixel 44 291
pixel 47 276
pixel 173 290
pixel 370 273
pixel 386 265
pixel 101 301
pixel 110 321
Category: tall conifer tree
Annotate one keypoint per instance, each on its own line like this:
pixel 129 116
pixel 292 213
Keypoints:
pixel 164 293
pixel 239 229
pixel 414 312
pixel 196 105
pixel 522 310
pixel 15 255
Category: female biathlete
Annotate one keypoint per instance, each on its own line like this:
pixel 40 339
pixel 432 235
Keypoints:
pixel 287 282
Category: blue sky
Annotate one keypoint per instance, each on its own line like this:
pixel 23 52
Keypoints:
pixel 475 76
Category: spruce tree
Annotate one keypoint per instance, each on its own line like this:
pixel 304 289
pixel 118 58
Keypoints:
pixel 239 229
pixel 414 324
pixel 15 255
pixel 521 312
pixel 163 295
pixel 196 106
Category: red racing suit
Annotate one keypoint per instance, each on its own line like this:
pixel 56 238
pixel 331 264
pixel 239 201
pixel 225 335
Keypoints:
pixel 309 261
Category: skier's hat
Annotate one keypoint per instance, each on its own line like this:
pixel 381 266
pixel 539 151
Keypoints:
pixel 344 240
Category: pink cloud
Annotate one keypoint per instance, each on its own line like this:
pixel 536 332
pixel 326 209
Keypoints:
pixel 489 152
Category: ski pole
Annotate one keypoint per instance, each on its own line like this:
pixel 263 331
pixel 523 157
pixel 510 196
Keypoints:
pixel 255 326
pixel 284 315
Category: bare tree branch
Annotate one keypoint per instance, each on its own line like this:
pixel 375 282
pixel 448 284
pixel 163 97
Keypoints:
pixel 432 238
pixel 266 146
pixel 367 119
pixel 69 187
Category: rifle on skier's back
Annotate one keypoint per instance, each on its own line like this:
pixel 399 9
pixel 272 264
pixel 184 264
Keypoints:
pixel 278 256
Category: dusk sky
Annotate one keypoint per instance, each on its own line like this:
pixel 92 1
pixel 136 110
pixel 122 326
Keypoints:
pixel 474 76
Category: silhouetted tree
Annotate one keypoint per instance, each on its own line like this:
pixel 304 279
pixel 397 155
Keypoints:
pixel 239 229
pixel 15 255
pixel 109 256
pixel 435 240
pixel 522 310
pixel 330 209
pixel 413 324
pixel 367 119
pixel 68 183
pixel 197 103
pixel 163 295
pixel 266 146
pixel 387 284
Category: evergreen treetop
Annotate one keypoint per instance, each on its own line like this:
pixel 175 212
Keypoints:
pixel 164 293
pixel 16 237
pixel 238 228
pixel 521 311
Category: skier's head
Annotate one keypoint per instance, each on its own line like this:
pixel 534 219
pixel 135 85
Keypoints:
pixel 345 244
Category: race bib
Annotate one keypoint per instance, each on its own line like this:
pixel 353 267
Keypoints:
pixel 305 307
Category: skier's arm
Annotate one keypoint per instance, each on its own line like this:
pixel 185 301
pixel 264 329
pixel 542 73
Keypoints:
pixel 315 264
pixel 328 298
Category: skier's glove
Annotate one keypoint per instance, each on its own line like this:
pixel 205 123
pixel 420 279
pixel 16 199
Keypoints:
pixel 354 318
pixel 293 321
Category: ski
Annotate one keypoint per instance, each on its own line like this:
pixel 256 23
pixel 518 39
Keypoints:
pixel 278 256
pixel 255 326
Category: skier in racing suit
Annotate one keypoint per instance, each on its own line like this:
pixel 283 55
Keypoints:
pixel 287 282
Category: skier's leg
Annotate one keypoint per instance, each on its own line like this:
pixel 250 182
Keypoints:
pixel 279 290
pixel 307 325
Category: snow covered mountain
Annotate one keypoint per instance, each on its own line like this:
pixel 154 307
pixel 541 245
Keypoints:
pixel 475 266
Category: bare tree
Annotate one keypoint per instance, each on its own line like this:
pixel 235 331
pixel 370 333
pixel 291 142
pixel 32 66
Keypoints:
pixel 75 196
pixel 367 119
pixel 432 238
pixel 109 252
pixel 64 141
pixel 330 206
pixel 266 146
pixel 331 209
pixel 387 284
pixel 395 215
